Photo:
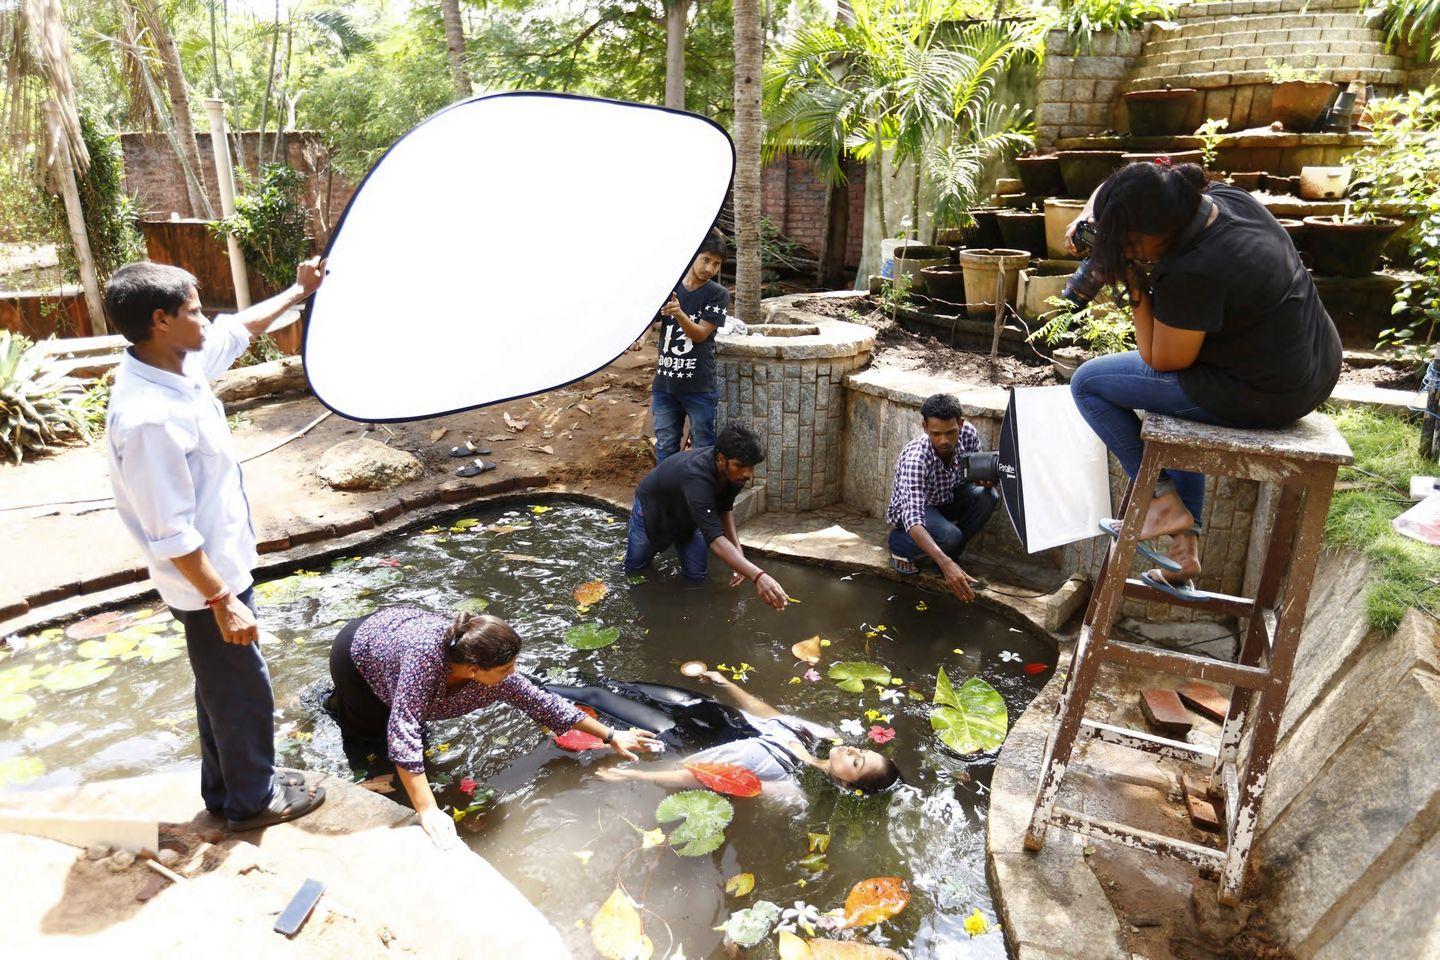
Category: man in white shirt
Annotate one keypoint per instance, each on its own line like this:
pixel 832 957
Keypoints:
pixel 178 490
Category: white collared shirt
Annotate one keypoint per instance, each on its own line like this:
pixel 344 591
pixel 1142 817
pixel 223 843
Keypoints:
pixel 173 468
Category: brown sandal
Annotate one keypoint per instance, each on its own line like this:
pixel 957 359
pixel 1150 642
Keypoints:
pixel 289 802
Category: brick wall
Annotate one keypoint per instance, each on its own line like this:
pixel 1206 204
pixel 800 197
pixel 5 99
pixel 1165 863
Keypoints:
pixel 1078 90
pixel 793 197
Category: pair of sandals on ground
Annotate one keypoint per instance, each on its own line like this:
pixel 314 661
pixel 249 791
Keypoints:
pixel 1176 573
pixel 476 466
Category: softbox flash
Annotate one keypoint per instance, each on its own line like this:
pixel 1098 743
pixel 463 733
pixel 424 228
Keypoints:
pixel 1054 471
pixel 508 245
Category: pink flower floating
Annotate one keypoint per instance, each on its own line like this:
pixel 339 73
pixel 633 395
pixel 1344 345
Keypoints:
pixel 389 562
pixel 468 785
pixel 811 676
pixel 879 734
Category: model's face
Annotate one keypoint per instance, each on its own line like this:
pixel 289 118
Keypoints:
pixel 849 765
pixel 736 473
pixel 183 330
pixel 488 676
pixel 944 436
pixel 707 266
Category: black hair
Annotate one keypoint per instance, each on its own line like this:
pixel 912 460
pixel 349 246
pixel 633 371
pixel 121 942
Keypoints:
pixel 1149 198
pixel 881 779
pixel 715 243
pixel 137 290
pixel 941 406
pixel 481 640
pixel 737 442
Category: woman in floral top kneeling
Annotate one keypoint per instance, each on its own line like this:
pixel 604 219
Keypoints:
pixel 402 666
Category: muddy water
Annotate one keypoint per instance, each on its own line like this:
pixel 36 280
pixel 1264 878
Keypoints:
pixel 562 835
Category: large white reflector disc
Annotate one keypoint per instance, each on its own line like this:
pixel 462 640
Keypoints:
pixel 507 245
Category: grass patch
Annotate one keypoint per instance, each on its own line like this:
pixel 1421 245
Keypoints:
pixel 1404 572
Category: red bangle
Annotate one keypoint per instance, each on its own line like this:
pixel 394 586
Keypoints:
pixel 758 576
pixel 216 600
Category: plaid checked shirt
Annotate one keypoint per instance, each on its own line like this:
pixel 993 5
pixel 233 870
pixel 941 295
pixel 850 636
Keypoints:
pixel 922 479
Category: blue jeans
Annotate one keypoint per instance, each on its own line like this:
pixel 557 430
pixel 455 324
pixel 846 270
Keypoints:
pixel 1108 390
pixel 640 552
pixel 235 709
pixel 951 525
pixel 670 411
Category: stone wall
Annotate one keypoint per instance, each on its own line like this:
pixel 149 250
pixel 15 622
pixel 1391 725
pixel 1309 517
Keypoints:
pixel 792 196
pixel 1079 89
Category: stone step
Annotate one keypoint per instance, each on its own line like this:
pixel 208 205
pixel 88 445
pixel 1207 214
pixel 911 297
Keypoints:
pixel 1170 42
pixel 1240 8
pixel 1312 22
pixel 1188 77
pixel 1258 56
pixel 1214 60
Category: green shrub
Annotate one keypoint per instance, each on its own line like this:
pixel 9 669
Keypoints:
pixel 272 225
pixel 39 407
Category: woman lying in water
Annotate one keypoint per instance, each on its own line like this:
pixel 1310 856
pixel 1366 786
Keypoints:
pixel 744 730
pixel 400 667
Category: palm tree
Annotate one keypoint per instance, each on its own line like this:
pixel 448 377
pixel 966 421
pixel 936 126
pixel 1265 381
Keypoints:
pixel 900 82
pixel 749 51
pixel 455 46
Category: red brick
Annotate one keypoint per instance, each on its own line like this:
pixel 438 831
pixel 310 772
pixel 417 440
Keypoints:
pixel 453 491
pixel 310 532
pixel 51 594
pixel 1205 700
pixel 11 607
pixel 113 579
pixel 1203 814
pixel 1165 713
pixel 417 499
pixel 273 545
pixel 354 525
pixel 385 514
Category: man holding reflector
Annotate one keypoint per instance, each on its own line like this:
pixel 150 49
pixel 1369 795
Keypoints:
pixel 936 507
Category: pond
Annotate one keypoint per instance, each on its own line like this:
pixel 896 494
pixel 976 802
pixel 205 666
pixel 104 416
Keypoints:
pixel 113 698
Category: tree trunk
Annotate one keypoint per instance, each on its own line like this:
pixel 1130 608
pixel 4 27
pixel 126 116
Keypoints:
pixel 676 12
pixel 830 271
pixel 64 175
pixel 269 90
pixel 455 46
pixel 748 55
pixel 179 95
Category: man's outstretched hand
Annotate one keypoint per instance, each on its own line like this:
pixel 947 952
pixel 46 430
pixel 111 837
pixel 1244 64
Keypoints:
pixel 958 581
pixel 771 592
pixel 309 275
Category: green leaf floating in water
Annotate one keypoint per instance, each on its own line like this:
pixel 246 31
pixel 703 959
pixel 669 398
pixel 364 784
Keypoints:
pixel 854 674
pixel 289 589
pixel 21 678
pixel 13 706
pixel 160 647
pixel 591 636
pixel 121 642
pixel 972 719
pixel 749 926
pixel 473 605
pixel 21 770
pixel 77 674
pixel 342 610
pixel 706 816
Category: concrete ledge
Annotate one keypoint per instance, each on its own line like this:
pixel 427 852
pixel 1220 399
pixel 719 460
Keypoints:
pixel 835 338
pixel 912 388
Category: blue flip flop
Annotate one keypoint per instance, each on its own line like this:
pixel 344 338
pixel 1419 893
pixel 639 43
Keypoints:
pixel 1112 527
pixel 1180 591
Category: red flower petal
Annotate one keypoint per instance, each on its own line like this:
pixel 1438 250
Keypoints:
pixel 727 778
pixel 880 734
pixel 578 741
pixel 468 785
pixel 1034 668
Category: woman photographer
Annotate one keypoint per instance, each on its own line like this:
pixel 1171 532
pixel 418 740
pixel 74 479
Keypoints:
pixel 1229 327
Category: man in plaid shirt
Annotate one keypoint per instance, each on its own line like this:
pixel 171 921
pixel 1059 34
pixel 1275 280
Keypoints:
pixel 931 514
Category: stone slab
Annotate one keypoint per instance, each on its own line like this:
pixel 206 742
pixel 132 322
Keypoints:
pixel 1404 914
pixel 1165 714
pixel 1204 700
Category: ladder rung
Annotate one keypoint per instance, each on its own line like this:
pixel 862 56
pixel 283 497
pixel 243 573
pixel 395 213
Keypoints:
pixel 1135 837
pixel 1148 742
pixel 1222 603
pixel 1184 665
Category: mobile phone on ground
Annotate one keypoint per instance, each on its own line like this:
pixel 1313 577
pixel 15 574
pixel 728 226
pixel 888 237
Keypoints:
pixel 293 917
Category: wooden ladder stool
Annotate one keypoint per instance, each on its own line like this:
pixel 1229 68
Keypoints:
pixel 1303 460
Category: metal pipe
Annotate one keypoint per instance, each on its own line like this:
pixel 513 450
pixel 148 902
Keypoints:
pixel 225 176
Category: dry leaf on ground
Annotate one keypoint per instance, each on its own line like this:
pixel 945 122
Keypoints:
pixel 807 650
pixel 515 425
pixel 437 433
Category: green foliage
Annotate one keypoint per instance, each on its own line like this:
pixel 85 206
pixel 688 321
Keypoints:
pixel 272 225
pixel 112 217
pixel 1403 572
pixel 1211 132
pixel 1102 326
pixel 39 407
pixel 1414 22
pixel 853 675
pixel 970 720
pixel 705 816
pixel 1083 18
pixel 1278 71
pixel 591 636
pixel 746 928
pixel 1399 167
pixel 262 350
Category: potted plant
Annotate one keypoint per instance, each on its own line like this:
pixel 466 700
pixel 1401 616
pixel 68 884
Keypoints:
pixel 1159 113
pixel 1344 246
pixel 1039 283
pixel 911 260
pixel 1300 95
pixel 1099 328
pixel 1060 212
pixel 981 267
pixel 1084 170
pixel 945 282
pixel 1040 173
pixel 1023 230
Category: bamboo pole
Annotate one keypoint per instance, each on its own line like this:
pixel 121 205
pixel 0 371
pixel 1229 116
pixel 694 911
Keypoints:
pixel 64 169
pixel 225 176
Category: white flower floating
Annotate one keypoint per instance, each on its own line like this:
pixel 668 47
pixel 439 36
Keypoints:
pixel 891 695
pixel 802 915
pixel 852 727
pixel 1007 656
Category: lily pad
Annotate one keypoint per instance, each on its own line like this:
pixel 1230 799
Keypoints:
pixel 21 678
pixel 854 674
pixel 473 605
pixel 77 674
pixel 289 589
pixel 110 622
pixel 13 706
pixel 21 770
pixel 705 816
pixel 740 885
pixel 591 636
pixel 161 647
pixel 342 610
pixel 748 927
pixel 970 720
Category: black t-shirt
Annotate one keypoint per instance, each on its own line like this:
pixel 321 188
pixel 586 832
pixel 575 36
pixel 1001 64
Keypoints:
pixel 685 366
pixel 1271 353
pixel 685 494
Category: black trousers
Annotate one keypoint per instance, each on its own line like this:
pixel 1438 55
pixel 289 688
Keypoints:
pixel 363 717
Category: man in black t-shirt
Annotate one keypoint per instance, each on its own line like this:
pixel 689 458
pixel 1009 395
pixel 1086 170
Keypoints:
pixel 685 374
pixel 688 502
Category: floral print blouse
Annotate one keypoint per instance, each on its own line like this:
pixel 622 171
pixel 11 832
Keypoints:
pixel 400 651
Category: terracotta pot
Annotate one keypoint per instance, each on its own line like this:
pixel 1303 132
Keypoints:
pixel 1348 249
pixel 1297 230
pixel 1177 157
pixel 1059 214
pixel 1280 186
pixel 945 283
pixel 1009 185
pixel 981 267
pixel 1160 113
pixel 1084 170
pixel 1023 230
pixel 987 228
pixel 1324 183
pixel 1013 201
pixel 1041 175
pixel 1038 283
pixel 953 236
pixel 1298 104
pixel 1247 181
pixel 911 261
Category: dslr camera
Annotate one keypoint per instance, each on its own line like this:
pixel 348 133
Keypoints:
pixel 1084 285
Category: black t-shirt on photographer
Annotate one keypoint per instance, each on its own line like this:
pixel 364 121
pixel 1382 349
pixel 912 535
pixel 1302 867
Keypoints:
pixel 1271 353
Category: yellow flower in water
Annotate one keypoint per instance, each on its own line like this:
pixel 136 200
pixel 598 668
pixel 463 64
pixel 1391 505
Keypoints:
pixel 539 509
pixel 976 925
pixel 826 643
pixel 584 855
pixel 881 626
pixel 957 650
pixel 794 680
pixel 872 714
pixel 896 681
pixel 922 606
pixel 582 609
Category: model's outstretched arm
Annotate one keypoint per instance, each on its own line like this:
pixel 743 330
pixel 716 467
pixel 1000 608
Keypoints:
pixel 739 696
